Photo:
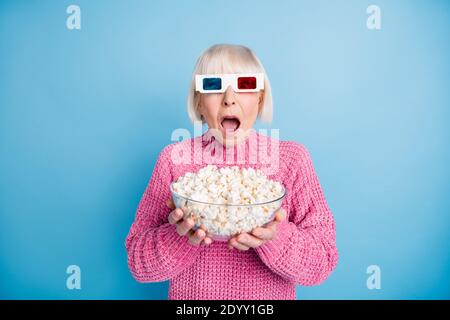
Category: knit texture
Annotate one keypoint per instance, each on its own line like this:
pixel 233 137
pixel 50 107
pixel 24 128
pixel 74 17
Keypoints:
pixel 303 252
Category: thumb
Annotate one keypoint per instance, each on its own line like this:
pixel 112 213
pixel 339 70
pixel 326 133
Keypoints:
pixel 170 204
pixel 280 215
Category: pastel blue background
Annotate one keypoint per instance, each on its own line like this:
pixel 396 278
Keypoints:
pixel 84 114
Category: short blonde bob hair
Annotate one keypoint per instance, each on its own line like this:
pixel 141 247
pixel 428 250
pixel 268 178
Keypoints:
pixel 229 58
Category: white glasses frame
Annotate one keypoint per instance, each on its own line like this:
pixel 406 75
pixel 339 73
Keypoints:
pixel 229 79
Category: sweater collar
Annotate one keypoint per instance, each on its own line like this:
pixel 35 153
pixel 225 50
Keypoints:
pixel 208 138
pixel 214 149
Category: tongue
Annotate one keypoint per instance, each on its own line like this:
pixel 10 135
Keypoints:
pixel 230 124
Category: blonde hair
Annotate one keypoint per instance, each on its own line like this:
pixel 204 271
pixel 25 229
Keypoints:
pixel 229 58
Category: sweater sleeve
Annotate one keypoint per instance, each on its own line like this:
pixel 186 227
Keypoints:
pixel 304 249
pixel 155 250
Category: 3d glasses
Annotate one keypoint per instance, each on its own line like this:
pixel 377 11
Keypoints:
pixel 240 82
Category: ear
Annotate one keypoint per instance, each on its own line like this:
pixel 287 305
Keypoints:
pixel 198 107
pixel 260 101
pixel 199 111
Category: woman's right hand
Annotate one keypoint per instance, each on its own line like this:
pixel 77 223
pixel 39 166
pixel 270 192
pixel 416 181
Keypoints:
pixel 184 227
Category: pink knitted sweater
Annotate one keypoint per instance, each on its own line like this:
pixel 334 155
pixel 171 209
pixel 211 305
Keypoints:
pixel 303 251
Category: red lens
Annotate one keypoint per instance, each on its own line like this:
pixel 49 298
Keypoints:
pixel 246 83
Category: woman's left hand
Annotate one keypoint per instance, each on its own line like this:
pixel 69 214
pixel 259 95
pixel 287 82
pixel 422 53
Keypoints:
pixel 257 236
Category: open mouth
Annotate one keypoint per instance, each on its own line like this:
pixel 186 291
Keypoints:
pixel 230 123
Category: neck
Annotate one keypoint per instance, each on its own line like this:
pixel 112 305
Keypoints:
pixel 236 141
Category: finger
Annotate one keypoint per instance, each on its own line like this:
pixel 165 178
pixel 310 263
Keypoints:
pixel 184 226
pixel 170 204
pixel 196 237
pixel 264 233
pixel 175 216
pixel 277 218
pixel 249 240
pixel 280 215
pixel 269 230
pixel 207 240
pixel 272 225
pixel 235 244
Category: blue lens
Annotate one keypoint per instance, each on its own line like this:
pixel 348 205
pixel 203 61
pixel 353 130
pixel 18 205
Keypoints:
pixel 212 83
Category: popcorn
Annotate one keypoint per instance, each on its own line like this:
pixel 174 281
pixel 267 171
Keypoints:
pixel 228 200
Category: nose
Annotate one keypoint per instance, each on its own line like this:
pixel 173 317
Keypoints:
pixel 229 97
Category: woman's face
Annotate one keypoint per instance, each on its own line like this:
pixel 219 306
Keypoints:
pixel 231 115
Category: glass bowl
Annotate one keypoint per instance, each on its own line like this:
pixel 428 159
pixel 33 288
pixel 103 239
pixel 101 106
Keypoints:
pixel 223 221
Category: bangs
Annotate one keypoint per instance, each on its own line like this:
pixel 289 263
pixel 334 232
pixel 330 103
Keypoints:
pixel 222 59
